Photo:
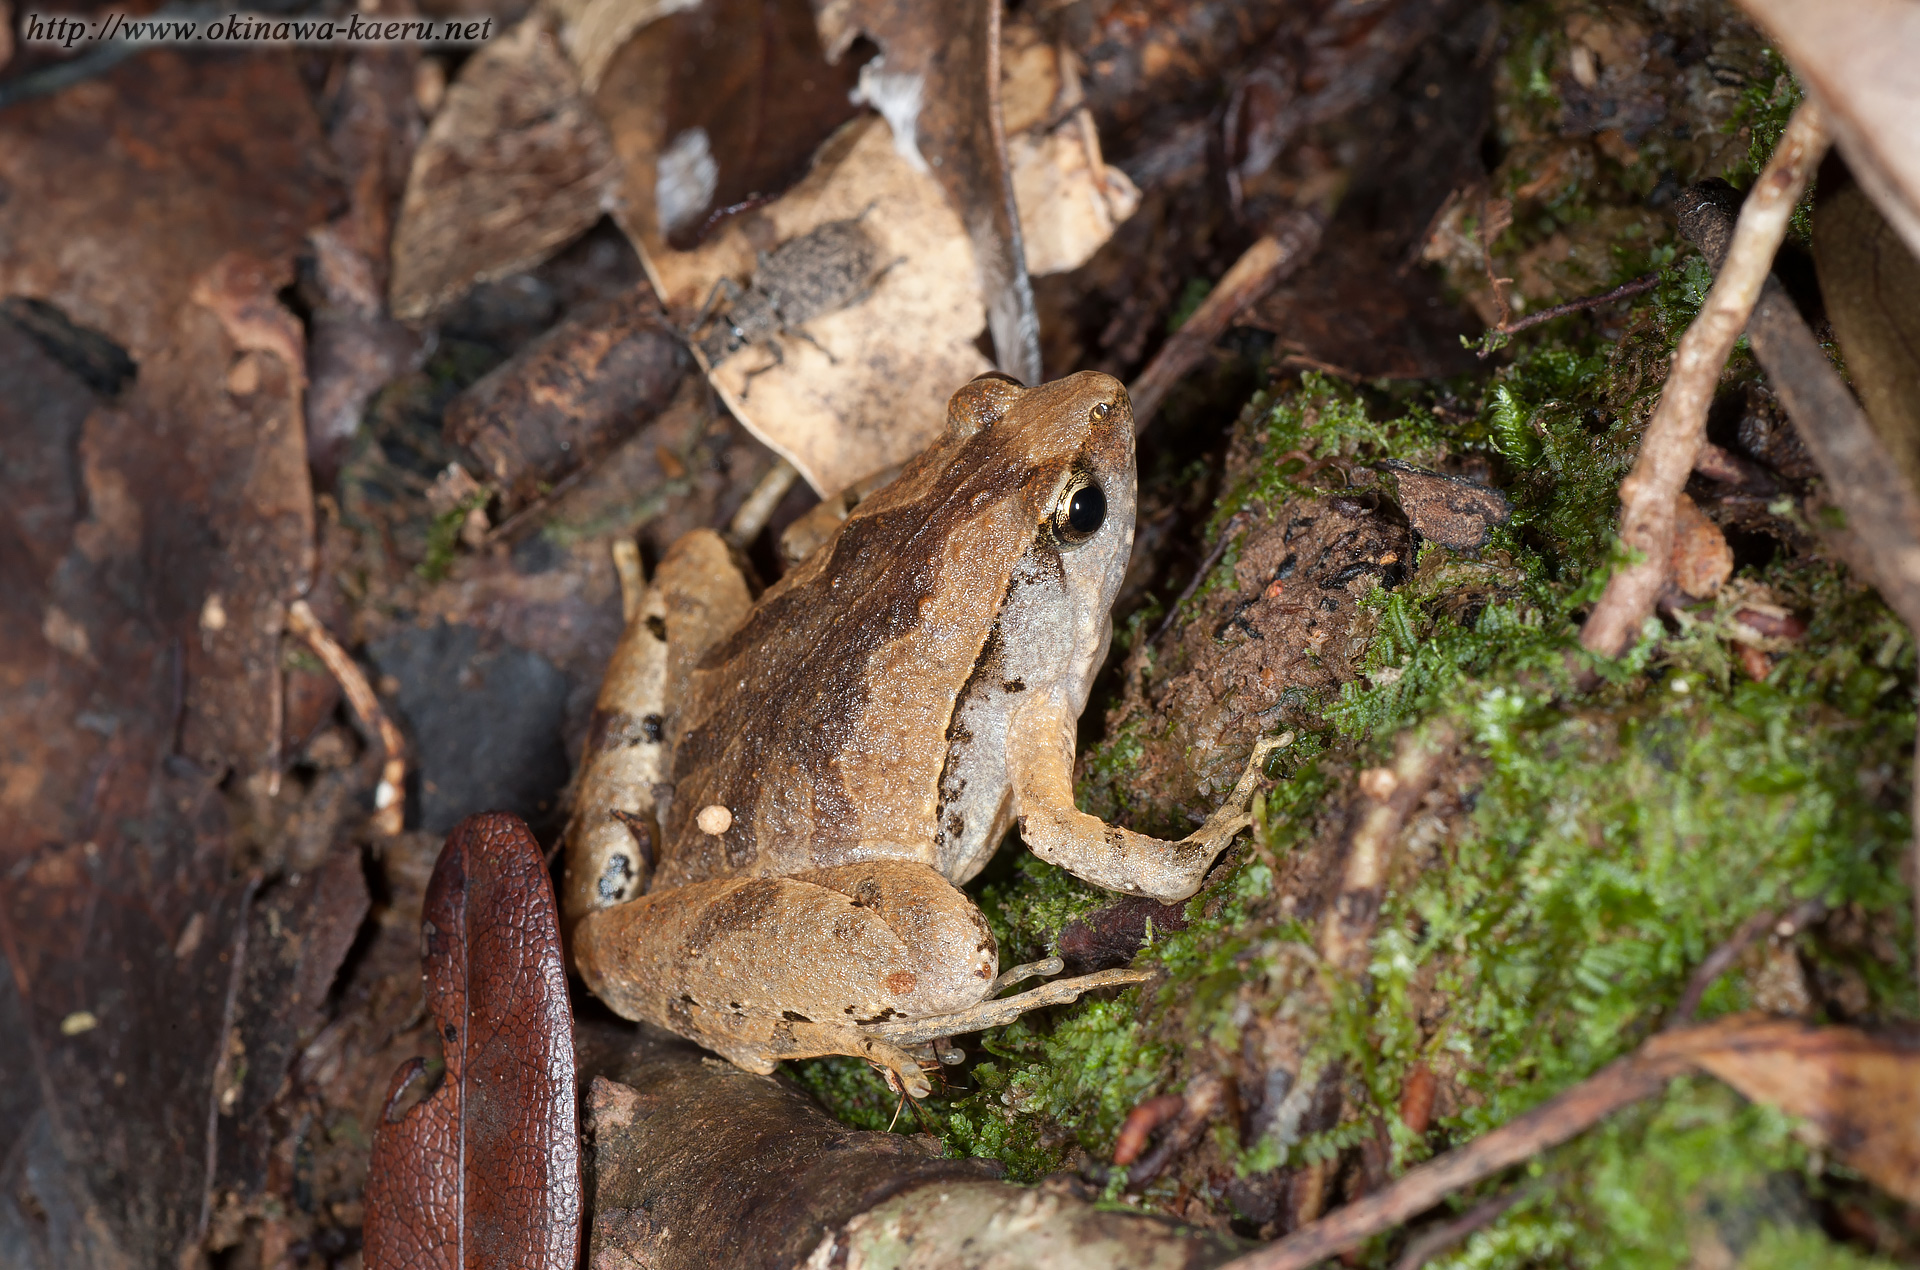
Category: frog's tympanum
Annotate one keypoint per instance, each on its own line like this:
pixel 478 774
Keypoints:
pixel 782 798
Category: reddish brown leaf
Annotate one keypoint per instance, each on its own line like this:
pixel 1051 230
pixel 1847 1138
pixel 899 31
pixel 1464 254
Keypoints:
pixel 485 1172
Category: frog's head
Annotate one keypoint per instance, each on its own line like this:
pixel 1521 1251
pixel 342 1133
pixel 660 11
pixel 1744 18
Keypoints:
pixel 1071 443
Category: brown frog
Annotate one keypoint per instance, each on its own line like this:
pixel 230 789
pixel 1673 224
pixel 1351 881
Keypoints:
pixel 782 798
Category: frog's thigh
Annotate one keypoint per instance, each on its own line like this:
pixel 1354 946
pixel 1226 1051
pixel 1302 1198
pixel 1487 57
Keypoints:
pixel 762 969
pixel 705 599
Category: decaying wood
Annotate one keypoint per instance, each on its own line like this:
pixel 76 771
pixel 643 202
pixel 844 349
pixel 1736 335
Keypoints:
pixel 390 796
pixel 700 1164
pixel 1273 257
pixel 1649 494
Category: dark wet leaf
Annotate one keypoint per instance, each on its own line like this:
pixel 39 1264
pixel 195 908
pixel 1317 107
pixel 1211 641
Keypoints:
pixel 485 1172
pixel 146 545
pixel 751 98
pixel 513 166
pixel 1110 936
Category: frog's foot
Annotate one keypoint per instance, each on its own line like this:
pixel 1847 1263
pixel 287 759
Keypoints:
pixel 1235 813
pixel 855 1042
pixel 1046 967
pixel 996 1013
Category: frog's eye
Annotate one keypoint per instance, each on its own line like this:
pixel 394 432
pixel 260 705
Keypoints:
pixel 1100 411
pixel 1080 510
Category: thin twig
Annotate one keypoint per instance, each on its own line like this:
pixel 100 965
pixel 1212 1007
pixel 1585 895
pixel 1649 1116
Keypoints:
pixel 1721 959
pixel 761 502
pixel 1649 494
pixel 1391 794
pixel 1430 1243
pixel 1228 532
pixel 389 797
pixel 1639 286
pixel 1496 215
pixel 1271 259
pixel 633 583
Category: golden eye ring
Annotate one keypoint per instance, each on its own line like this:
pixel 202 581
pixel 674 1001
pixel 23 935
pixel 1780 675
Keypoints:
pixel 1080 510
pixel 1101 411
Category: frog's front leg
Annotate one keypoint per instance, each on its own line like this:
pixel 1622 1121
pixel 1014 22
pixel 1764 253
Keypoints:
pixel 1040 744
pixel 764 969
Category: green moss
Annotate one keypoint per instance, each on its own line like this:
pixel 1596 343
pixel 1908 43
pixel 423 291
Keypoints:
pixel 1610 839
pixel 854 1093
pixel 443 536
pixel 1027 910
pixel 1766 104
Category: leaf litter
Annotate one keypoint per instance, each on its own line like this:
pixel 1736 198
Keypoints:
pixel 1529 926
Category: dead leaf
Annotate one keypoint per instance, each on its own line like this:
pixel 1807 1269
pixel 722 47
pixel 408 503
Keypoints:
pixel 512 167
pixel 1860 1094
pixel 570 396
pixel 937 81
pixel 1702 560
pixel 485 1172
pixel 1070 200
pixel 1868 279
pixel 1857 59
pixel 151 539
pixel 742 117
pixel 862 384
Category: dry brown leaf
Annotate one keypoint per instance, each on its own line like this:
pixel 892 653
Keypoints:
pixel 1070 201
pixel 1859 1093
pixel 513 166
pixel 1868 279
pixel 1702 560
pixel 867 385
pixel 1858 59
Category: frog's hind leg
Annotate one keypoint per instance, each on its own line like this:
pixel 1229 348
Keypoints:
pixel 764 969
pixel 613 834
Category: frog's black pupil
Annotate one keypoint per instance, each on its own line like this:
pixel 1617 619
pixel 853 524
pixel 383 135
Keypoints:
pixel 1087 510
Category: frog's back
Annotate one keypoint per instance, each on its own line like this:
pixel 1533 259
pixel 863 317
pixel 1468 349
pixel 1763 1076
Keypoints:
pixel 821 724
